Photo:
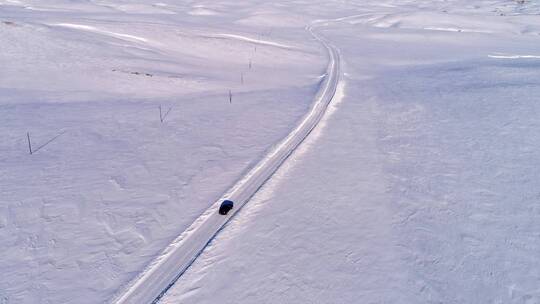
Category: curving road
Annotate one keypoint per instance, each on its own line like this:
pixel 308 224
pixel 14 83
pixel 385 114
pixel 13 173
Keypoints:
pixel 165 270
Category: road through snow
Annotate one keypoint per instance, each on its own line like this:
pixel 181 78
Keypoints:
pixel 163 272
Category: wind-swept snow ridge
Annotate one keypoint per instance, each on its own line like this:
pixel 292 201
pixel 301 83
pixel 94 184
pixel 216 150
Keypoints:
pixel 99 31
pixel 252 40
pixel 165 270
pixel 501 56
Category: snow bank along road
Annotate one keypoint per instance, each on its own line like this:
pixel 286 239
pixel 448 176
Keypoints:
pixel 161 274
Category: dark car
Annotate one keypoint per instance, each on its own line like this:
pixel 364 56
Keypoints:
pixel 225 207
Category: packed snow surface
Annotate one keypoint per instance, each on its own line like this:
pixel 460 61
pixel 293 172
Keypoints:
pixel 420 186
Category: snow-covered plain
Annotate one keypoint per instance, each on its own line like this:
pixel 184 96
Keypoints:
pixel 83 215
pixel 420 186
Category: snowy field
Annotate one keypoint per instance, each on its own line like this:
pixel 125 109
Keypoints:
pixel 85 213
pixel 421 185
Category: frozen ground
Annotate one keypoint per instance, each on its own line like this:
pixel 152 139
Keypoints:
pixel 85 213
pixel 421 186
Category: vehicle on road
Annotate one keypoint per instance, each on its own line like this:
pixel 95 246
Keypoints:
pixel 225 207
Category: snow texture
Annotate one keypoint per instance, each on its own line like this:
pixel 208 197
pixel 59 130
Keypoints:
pixel 109 185
pixel 420 186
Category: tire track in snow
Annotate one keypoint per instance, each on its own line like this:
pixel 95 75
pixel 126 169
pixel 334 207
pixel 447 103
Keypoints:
pixel 165 270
